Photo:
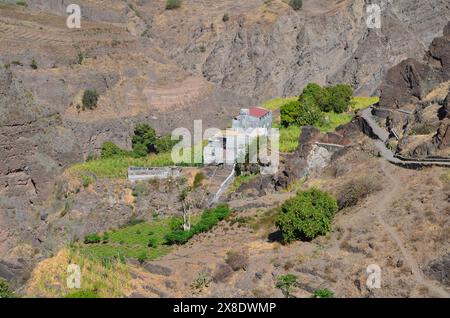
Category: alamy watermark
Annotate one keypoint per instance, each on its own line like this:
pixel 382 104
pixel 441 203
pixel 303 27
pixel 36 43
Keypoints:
pixel 74 19
pixel 74 276
pixel 374 279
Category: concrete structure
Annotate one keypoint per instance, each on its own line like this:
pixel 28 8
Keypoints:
pixel 141 174
pixel 226 147
pixel 255 117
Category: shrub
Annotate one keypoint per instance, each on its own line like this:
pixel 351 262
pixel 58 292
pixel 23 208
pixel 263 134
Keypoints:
pixel 198 179
pixel 110 149
pixel 237 260
pixel 423 129
pixel 225 17
pixel 173 4
pixel 152 242
pixel 323 293
pixel 22 3
pixel 90 99
pixel 165 143
pixel 92 239
pixel 87 181
pixel 306 216
pixel 176 223
pixel 139 189
pixel 5 290
pixel 356 190
pixel 222 273
pixel 142 257
pixel 202 280
pixel 286 283
pixel 33 64
pixel 296 4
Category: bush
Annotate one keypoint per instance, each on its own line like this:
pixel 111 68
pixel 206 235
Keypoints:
pixel 87 181
pixel 152 242
pixel 286 283
pixel 203 279
pixel 198 179
pixel 140 189
pixel 222 273
pixel 356 190
pixel 5 290
pixel 33 64
pixel 92 239
pixel 90 99
pixel 296 4
pixel 142 257
pixel 237 260
pixel 306 216
pixel 323 293
pixel 22 3
pixel 175 223
pixel 110 149
pixel 165 143
pixel 225 17
pixel 173 4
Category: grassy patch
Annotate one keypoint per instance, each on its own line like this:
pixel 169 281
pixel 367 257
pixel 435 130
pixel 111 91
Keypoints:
pixel 289 138
pixel 117 167
pixel 240 180
pixel 361 102
pixel 132 241
pixel 333 120
pixel 276 103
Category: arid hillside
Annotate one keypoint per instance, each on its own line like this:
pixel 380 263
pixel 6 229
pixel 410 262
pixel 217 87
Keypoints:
pixel 205 60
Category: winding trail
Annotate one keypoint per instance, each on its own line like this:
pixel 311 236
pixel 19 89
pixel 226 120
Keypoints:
pixel 385 205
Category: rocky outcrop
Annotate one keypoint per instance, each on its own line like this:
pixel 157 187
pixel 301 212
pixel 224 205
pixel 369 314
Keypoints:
pixel 411 80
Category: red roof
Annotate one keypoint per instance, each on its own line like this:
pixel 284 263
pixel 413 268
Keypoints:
pixel 258 112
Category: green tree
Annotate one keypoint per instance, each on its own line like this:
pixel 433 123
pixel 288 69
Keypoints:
pixel 289 113
pixel 144 135
pixel 286 283
pixel 308 112
pixel 5 290
pixel 340 98
pixel 307 215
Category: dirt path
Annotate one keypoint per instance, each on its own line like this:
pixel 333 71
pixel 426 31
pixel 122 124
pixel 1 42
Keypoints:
pixel 384 205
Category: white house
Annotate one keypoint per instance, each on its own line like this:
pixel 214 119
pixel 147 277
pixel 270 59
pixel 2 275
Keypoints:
pixel 227 146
